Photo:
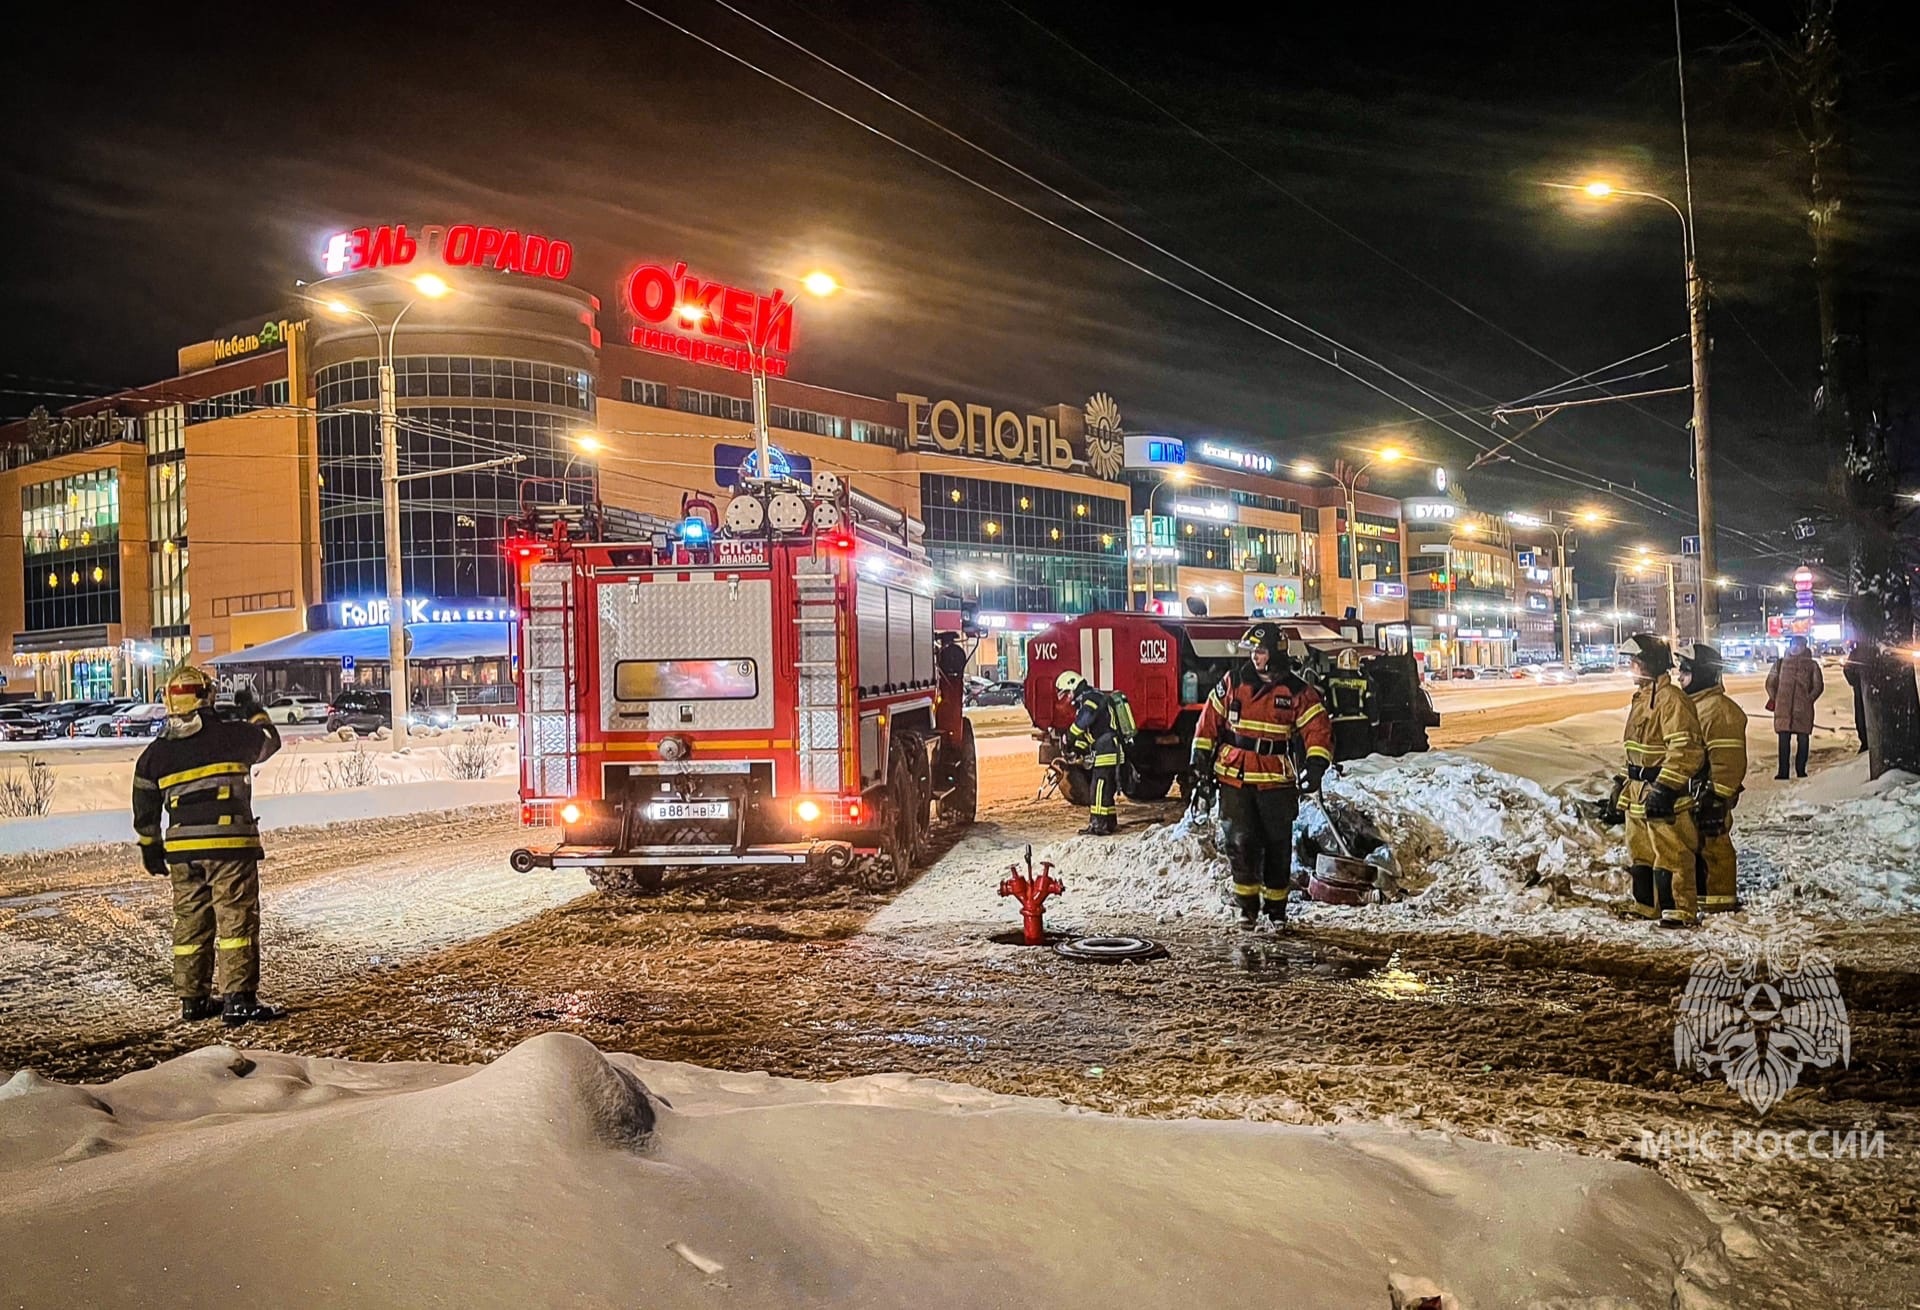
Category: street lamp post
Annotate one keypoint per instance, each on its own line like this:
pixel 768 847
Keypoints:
pixel 1178 476
pixel 432 287
pixel 1349 487
pixel 1563 572
pixel 1702 443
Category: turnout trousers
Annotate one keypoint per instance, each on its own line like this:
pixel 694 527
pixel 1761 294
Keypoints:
pixel 216 926
pixel 1106 779
pixel 1257 831
pixel 1715 872
pixel 1664 856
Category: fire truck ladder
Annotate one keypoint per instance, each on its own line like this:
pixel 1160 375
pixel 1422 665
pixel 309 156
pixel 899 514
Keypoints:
pixel 550 739
pixel 819 744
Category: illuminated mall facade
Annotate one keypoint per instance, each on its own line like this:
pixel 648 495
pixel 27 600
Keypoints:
pixel 232 513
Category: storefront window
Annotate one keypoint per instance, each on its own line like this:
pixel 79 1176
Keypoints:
pixel 70 513
pixel 1055 552
pixel 167 522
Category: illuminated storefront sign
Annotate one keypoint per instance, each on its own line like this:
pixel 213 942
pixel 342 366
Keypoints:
pixel 731 463
pixel 1390 590
pixel 460 245
pixel 1250 461
pixel 680 313
pixel 1219 511
pixel 1271 596
pixel 1155 452
pixel 1375 529
pixel 271 335
pixel 1430 511
pixel 1803 589
pixel 416 609
pixel 978 432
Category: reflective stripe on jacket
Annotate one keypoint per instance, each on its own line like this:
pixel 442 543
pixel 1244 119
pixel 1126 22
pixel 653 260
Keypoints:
pixel 200 778
pixel 1723 727
pixel 1245 714
pixel 1663 733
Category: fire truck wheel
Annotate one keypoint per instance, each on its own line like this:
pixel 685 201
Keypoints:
pixel 626 882
pixel 964 805
pixel 1150 787
pixel 903 832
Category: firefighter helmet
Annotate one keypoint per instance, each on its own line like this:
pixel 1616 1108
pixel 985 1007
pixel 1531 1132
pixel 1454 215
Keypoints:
pixel 188 689
pixel 1700 655
pixel 1068 683
pixel 1348 659
pixel 1269 638
pixel 1649 652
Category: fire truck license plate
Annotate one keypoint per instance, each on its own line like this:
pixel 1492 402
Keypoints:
pixel 688 809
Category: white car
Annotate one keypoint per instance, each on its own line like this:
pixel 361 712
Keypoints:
pixel 297 709
pixel 122 721
pixel 1555 674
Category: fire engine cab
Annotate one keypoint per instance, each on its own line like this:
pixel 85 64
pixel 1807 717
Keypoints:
pixel 759 688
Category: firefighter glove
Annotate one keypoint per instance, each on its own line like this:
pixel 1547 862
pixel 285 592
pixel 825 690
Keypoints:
pixel 1316 770
pixel 1660 801
pixel 1204 788
pixel 1709 809
pixel 155 860
pixel 246 703
pixel 1612 812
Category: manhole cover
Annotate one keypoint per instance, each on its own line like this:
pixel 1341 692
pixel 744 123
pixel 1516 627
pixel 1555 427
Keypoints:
pixel 1111 950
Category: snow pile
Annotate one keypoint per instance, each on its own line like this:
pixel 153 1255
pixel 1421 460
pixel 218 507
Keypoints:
pixel 1464 831
pixel 1840 844
pixel 558 1174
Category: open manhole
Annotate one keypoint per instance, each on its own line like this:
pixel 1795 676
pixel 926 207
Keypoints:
pixel 1111 950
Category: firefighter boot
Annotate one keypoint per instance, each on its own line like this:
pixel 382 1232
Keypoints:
pixel 1273 903
pixel 1644 904
pixel 1100 825
pixel 193 1009
pixel 245 1007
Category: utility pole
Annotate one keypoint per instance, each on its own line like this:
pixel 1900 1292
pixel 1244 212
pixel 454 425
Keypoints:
pixel 1709 602
pixel 397 702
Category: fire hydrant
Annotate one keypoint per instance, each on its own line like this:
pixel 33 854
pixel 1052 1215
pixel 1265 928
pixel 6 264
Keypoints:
pixel 1032 893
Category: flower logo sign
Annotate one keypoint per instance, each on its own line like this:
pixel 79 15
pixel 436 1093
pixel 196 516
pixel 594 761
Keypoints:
pixel 1105 450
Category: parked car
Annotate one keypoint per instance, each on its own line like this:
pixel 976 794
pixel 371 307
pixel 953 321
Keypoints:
pixel 363 711
pixel 297 709
pixel 1001 693
pixel 61 717
pixel 1461 673
pixel 140 720
pixel 99 724
pixel 20 724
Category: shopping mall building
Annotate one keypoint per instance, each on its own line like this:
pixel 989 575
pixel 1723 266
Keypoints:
pixel 232 514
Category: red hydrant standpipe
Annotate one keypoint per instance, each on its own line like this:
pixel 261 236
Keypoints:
pixel 1032 893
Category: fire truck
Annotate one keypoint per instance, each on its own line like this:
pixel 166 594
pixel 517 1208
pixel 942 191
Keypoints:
pixel 759 688
pixel 1167 666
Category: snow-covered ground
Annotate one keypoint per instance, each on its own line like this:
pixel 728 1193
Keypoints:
pixel 1494 837
pixel 561 1175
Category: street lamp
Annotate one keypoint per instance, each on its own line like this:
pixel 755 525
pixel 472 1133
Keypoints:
pixel 429 287
pixel 1349 487
pixel 1563 574
pixel 1697 337
pixel 1179 476
pixel 817 283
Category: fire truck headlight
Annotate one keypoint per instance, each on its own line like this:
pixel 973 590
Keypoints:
pixel 569 814
pixel 673 749
pixel 807 811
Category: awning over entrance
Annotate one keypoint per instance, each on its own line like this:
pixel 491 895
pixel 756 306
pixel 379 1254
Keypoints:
pixel 431 641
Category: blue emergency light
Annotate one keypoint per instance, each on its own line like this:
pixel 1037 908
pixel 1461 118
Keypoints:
pixel 694 531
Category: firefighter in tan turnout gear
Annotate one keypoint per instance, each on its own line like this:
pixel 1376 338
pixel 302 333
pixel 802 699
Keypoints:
pixel 198 774
pixel 1664 752
pixel 1716 788
pixel 1245 745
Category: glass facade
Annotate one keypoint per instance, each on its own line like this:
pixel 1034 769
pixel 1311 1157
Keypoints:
pixel 452 528
pixel 166 433
pixel 71 532
pixel 1024 549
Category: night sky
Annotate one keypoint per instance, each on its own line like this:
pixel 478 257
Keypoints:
pixel 1368 170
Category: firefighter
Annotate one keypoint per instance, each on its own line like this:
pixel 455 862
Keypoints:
pixel 1664 752
pixel 197 772
pixel 1350 705
pixel 1716 788
pixel 1095 734
pixel 1244 745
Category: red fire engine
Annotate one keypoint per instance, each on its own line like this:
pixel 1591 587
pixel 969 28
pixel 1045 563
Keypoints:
pixel 1167 666
pixel 762 690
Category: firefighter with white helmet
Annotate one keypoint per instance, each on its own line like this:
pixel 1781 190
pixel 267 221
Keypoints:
pixel 1244 747
pixel 1350 705
pixel 1096 733
pixel 1664 752
pixel 1717 787
pixel 198 774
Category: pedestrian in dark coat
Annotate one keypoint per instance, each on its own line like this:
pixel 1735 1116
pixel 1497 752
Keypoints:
pixel 1793 685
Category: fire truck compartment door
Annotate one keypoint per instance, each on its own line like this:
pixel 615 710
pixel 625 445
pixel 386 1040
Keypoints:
pixel 666 631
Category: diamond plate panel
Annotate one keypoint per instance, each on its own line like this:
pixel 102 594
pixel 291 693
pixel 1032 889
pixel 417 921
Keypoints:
pixel 698 620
